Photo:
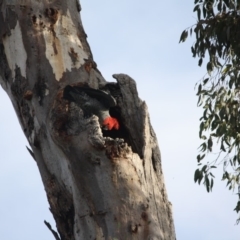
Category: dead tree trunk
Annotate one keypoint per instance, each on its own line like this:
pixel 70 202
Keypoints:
pixel 99 184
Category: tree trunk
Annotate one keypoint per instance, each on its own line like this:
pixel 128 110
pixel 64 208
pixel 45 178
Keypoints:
pixel 99 184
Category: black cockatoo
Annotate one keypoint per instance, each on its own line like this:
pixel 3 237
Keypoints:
pixel 93 102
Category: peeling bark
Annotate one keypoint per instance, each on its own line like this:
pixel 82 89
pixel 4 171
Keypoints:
pixel 99 184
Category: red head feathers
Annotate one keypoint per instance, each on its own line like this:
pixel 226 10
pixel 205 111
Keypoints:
pixel 111 123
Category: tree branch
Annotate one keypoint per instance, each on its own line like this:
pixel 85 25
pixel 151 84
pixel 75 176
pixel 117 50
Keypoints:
pixel 31 153
pixel 55 234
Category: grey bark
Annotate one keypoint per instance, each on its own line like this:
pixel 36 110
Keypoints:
pixel 99 184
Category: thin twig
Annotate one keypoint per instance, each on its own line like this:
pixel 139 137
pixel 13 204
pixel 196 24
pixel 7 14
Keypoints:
pixel 31 153
pixel 55 234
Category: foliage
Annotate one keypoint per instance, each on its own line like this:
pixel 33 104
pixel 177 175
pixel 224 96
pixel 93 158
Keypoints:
pixel 217 33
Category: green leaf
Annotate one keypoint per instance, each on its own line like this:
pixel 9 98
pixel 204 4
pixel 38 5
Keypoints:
pixel 209 67
pixel 193 51
pixel 203 137
pixel 224 8
pixel 222 147
pixel 199 99
pixel 199 13
pixel 231 82
pixel 226 2
pixel 222 114
pixel 183 36
pixel 204 147
pixel 205 81
pixel 214 125
pixel 212 175
pixel 199 157
pixel 207 183
pixel 227 68
pixel 200 178
pixel 204 12
pixel 212 181
pixel 225 175
pixel 210 144
pixel 205 114
pixel 199 89
pixel 237 208
pixel 201 129
pixel 197 174
pixel 230 149
pixel 196 8
pixel 204 168
pixel 200 62
pixel 219 6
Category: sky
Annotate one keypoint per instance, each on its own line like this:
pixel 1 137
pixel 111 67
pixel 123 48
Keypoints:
pixel 138 38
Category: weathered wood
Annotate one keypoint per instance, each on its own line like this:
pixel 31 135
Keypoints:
pixel 99 184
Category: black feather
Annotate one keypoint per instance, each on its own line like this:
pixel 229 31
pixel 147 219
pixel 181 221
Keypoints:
pixel 67 93
pixel 104 98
